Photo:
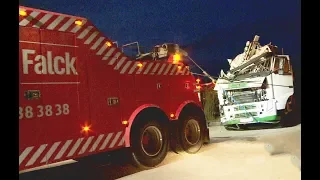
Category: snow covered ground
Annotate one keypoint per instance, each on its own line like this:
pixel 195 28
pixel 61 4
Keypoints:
pixel 236 159
pixel 250 155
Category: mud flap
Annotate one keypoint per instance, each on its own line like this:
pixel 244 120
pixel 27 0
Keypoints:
pixel 206 135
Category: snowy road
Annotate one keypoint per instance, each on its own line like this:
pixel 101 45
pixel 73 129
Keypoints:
pixel 230 155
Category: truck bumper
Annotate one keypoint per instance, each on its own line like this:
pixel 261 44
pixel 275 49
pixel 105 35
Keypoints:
pixel 249 113
pixel 256 120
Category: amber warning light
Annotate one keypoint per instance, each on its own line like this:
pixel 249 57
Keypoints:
pixel 176 57
pixel 85 129
pixel 78 22
pixel 125 123
pixel 22 13
pixel 108 44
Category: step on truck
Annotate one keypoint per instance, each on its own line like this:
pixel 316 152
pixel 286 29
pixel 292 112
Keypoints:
pixel 258 88
pixel 80 95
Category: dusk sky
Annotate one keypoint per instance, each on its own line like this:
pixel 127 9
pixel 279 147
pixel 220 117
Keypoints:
pixel 212 30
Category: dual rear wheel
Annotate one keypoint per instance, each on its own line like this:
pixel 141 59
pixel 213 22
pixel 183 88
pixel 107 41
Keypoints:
pixel 188 135
pixel 149 143
pixel 150 139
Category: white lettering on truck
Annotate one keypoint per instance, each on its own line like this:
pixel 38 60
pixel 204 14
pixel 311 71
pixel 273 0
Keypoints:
pixel 48 64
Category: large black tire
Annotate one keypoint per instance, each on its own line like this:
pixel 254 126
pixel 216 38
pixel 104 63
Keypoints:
pixel 189 134
pixel 290 116
pixel 145 157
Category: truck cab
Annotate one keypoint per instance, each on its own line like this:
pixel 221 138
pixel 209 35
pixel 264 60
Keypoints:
pixel 257 90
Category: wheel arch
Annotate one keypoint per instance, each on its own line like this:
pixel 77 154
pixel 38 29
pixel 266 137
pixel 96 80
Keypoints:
pixel 141 110
pixel 283 101
pixel 188 106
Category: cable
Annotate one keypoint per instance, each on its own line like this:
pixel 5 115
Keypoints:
pixel 203 75
pixel 204 72
pixel 265 84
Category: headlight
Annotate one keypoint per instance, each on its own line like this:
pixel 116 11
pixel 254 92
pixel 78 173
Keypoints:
pixel 221 110
pixel 226 101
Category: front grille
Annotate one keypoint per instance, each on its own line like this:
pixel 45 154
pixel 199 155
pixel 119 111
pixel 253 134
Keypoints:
pixel 245 115
pixel 243 97
pixel 245 107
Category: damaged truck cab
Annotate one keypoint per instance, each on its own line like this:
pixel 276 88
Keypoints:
pixel 258 87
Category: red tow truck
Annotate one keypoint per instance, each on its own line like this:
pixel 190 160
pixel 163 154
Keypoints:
pixel 80 95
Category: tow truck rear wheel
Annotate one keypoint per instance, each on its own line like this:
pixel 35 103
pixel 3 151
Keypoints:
pixel 189 134
pixel 149 143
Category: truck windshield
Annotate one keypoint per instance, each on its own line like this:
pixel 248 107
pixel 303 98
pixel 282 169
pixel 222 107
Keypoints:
pixel 285 64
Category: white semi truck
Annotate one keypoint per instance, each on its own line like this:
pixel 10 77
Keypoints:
pixel 258 88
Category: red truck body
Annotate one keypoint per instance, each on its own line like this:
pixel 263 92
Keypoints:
pixel 79 94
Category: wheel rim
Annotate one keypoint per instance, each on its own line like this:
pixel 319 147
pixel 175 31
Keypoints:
pixel 151 141
pixel 192 132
